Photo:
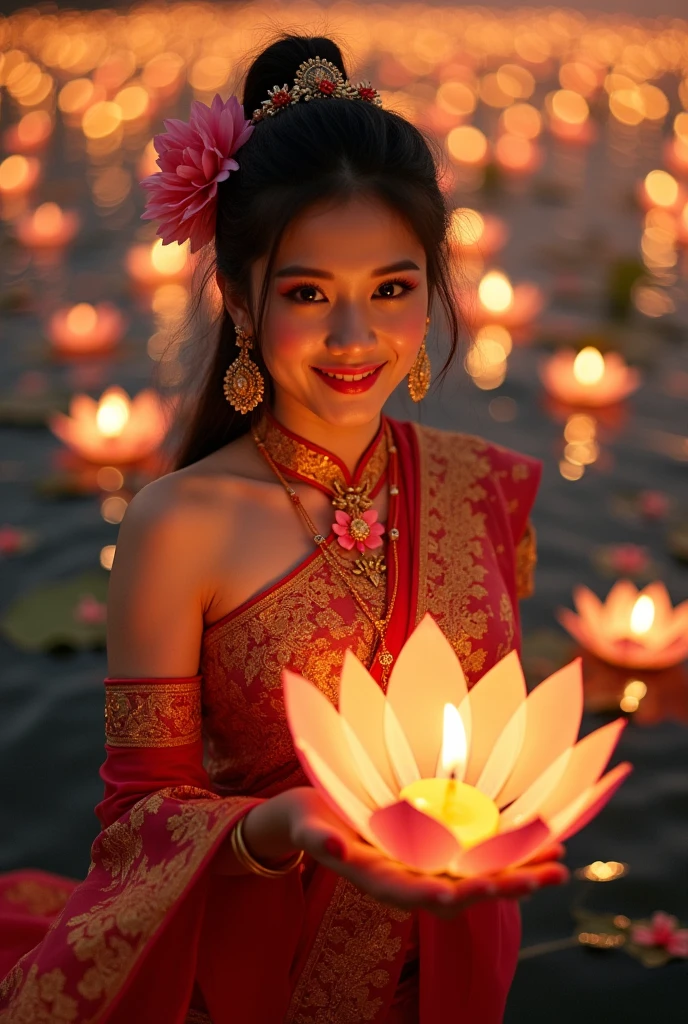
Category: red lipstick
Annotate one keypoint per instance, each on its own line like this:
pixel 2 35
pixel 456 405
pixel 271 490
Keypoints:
pixel 345 381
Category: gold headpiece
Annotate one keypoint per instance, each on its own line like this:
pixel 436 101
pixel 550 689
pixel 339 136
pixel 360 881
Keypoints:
pixel 315 79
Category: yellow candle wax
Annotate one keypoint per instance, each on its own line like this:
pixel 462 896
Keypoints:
pixel 470 815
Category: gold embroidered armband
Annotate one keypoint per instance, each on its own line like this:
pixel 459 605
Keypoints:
pixel 161 714
pixel 526 560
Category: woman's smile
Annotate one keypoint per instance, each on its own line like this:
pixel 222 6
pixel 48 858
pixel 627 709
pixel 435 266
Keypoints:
pixel 349 380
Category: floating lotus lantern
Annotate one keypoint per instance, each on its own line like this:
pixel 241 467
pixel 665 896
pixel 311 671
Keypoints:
pixel 114 429
pixel 588 378
pixel 476 234
pixel 499 302
pixel 48 227
pixel 84 329
pixel 445 780
pixel 151 265
pixel 633 629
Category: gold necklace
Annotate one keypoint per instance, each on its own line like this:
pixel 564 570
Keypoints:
pixel 384 656
pixel 351 495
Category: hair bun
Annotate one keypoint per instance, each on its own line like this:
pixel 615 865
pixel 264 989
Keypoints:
pixel 279 62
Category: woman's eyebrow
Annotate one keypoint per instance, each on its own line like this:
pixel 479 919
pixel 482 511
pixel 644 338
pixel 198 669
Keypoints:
pixel 297 271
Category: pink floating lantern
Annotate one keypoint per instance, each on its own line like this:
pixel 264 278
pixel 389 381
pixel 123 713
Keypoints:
pixel 84 329
pixel 588 378
pixel 633 629
pixel 114 429
pixel 48 227
pixel 448 781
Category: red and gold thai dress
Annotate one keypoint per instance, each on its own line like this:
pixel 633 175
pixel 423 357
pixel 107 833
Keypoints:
pixel 152 934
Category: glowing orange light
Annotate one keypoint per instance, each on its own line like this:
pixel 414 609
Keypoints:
pixel 522 120
pixel 456 98
pixel 569 107
pixel 495 292
pixel 101 120
pixel 133 102
pixel 661 188
pixel 112 414
pixel 17 173
pixel 467 226
pixel 643 614
pixel 82 318
pixel 515 153
pixel 467 144
pixel 588 366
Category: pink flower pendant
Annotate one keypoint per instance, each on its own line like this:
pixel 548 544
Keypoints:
pixel 361 531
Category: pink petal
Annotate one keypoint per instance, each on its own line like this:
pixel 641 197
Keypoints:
pixel 642 935
pixel 493 700
pixel 663 927
pixel 346 541
pixel 428 659
pixel 377 530
pixel 370 516
pixel 586 807
pixel 553 714
pixel 343 518
pixel 414 838
pixel 678 943
pixel 372 542
pixel 341 531
pixel 504 850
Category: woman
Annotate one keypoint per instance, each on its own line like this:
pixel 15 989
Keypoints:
pixel 299 522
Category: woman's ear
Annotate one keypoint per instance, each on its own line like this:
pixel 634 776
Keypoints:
pixel 234 306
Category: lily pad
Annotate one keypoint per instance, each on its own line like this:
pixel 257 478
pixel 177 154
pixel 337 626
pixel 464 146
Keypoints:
pixel 46 619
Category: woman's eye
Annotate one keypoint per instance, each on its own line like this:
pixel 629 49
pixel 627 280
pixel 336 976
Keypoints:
pixel 306 294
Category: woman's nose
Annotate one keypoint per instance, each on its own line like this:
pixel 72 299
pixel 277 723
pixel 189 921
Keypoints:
pixel 350 333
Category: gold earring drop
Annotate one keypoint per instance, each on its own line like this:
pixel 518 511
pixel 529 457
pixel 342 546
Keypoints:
pixel 243 383
pixel 420 373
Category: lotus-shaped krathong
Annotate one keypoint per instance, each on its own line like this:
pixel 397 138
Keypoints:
pixel 450 781
pixel 632 628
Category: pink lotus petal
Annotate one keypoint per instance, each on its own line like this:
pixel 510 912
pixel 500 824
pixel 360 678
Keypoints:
pixel 343 518
pixel 414 838
pixel 504 850
pixel 346 541
pixel 642 935
pixel 362 704
pixel 581 811
pixel 315 721
pixel 343 802
pixel 371 542
pixel 341 531
pixel 377 530
pixel 493 701
pixel 426 660
pixel 588 605
pixel 370 516
pixel 568 777
pixel 553 715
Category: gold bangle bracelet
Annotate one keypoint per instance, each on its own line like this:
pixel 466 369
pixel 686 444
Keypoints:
pixel 250 863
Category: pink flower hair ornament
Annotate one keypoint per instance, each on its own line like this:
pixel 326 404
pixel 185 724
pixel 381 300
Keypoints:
pixel 193 158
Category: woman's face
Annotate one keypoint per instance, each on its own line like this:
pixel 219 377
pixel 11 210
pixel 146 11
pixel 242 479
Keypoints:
pixel 346 312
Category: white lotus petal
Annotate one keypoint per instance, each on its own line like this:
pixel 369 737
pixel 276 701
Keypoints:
pixel 370 776
pixel 504 754
pixel 362 704
pixel 427 663
pixel 528 804
pixel 399 749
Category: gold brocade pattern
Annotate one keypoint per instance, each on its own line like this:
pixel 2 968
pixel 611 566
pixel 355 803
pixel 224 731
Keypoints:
pixel 152 714
pixel 343 970
pixel 526 560
pixel 248 739
pixel 292 455
pixel 136 894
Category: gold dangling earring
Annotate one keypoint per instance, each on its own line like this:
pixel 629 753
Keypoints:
pixel 243 383
pixel 420 373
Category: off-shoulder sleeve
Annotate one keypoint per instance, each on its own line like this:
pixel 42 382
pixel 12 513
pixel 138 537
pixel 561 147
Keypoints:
pixel 517 478
pixel 152 740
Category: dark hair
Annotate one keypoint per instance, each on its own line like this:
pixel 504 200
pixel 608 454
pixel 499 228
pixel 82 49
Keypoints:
pixel 331 149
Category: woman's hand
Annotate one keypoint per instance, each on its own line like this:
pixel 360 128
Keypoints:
pixel 317 830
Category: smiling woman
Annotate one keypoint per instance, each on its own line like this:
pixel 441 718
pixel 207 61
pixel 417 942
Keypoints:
pixel 299 522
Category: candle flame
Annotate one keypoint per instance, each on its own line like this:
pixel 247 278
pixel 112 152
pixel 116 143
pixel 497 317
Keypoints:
pixel 454 745
pixel 588 366
pixel 112 414
pixel 643 614
pixel 82 318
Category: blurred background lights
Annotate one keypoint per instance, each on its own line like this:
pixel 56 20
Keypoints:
pixel 467 144
pixel 109 478
pixel 495 292
pixel 112 509
pixel 662 188
pixel 107 556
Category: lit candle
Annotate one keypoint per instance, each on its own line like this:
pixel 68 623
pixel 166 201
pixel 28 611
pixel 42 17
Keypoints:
pixel 84 329
pixel 588 378
pixel 151 265
pixel 114 429
pixel 47 227
pixel 639 630
pixel 470 815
